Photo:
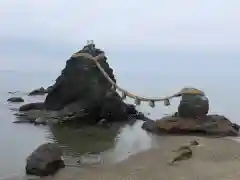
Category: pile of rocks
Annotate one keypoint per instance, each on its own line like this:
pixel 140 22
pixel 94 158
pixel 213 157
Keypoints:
pixel 192 118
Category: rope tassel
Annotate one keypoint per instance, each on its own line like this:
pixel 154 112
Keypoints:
pixel 166 102
pixel 152 103
pixel 137 101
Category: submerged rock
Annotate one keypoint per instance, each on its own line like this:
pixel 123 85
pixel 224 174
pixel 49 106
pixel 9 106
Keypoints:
pixel 45 160
pixel 40 91
pixel 208 125
pixel 32 106
pixel 15 99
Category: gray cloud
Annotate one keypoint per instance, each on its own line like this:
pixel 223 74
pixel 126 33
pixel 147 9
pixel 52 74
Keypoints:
pixel 53 29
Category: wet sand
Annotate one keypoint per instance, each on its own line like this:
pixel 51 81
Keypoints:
pixel 214 159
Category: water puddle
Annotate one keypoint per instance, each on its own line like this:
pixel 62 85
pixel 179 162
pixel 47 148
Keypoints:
pixel 102 145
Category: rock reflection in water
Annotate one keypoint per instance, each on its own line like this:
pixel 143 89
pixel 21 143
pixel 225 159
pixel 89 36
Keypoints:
pixel 78 141
pixel 116 142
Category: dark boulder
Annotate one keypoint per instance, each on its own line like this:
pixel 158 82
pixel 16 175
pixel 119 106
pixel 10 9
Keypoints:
pixel 150 126
pixel 32 106
pixel 40 91
pixel 113 109
pixel 192 106
pixel 45 160
pixel 15 99
pixel 131 109
pixel 207 126
pixel 82 83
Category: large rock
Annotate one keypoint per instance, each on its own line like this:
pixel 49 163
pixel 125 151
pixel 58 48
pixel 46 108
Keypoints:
pixel 208 125
pixel 82 84
pixel 45 160
pixel 192 106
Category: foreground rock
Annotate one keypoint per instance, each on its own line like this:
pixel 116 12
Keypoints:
pixel 82 87
pixel 40 91
pixel 45 160
pixel 15 99
pixel 208 125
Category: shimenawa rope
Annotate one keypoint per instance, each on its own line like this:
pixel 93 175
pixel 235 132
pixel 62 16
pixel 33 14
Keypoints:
pixel 125 93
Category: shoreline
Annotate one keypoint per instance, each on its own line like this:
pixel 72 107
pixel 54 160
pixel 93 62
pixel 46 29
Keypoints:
pixel 214 159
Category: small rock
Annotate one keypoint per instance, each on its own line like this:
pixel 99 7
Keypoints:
pixel 15 99
pixel 40 91
pixel 40 120
pixel 20 121
pixel 131 109
pixel 32 106
pixel 150 126
pixel 14 92
pixel 29 115
pixel 45 160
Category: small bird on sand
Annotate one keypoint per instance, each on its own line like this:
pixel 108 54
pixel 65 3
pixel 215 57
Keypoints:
pixel 185 152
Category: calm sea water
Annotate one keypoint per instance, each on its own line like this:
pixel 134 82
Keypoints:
pixel 219 81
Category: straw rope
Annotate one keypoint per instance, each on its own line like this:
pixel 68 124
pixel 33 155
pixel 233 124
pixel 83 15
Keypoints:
pixel 125 93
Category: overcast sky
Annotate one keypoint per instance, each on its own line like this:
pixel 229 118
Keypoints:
pixel 41 31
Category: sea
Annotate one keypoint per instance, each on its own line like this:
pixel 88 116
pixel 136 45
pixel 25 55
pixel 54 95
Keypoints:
pixel 217 74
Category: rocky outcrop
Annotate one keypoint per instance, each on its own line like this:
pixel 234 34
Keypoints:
pixel 84 87
pixel 207 125
pixel 45 160
pixel 80 94
pixel 40 91
pixel 15 99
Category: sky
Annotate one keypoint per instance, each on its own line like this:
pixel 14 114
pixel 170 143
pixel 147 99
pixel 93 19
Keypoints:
pixel 43 34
